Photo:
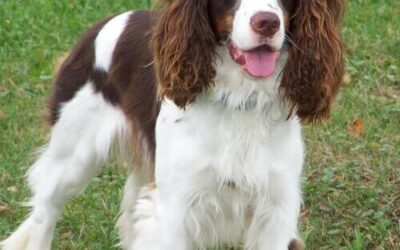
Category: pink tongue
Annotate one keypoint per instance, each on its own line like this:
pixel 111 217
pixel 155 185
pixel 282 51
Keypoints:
pixel 260 62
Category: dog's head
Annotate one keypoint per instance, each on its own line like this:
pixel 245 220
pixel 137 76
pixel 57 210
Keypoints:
pixel 255 32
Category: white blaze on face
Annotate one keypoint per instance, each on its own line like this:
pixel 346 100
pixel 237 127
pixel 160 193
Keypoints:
pixel 244 36
pixel 256 54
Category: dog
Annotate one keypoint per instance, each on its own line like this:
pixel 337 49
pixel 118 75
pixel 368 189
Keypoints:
pixel 206 99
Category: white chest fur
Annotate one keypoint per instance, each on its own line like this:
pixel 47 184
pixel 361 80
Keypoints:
pixel 222 164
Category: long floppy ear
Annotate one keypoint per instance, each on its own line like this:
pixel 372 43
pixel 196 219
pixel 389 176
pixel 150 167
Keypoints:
pixel 315 67
pixel 183 45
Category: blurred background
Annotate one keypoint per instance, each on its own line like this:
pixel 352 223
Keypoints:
pixel 351 179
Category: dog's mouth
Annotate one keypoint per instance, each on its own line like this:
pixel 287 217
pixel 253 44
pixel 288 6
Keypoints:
pixel 259 62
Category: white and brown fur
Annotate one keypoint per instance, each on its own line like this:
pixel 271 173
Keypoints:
pixel 226 157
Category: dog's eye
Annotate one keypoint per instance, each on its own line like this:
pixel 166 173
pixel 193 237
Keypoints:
pixel 229 3
pixel 288 5
pixel 221 6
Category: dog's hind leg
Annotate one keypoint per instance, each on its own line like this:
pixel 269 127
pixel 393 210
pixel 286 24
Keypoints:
pixel 81 140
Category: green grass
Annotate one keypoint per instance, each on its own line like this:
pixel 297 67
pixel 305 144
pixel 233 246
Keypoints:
pixel 351 180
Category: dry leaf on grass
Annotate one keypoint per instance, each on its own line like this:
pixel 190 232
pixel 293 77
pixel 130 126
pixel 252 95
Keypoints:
pixel 346 79
pixel 5 209
pixel 304 213
pixel 356 127
pixel 66 234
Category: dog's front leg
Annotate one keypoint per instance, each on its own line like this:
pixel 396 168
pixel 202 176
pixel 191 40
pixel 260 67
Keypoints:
pixel 180 158
pixel 175 183
pixel 159 219
pixel 170 223
pixel 274 223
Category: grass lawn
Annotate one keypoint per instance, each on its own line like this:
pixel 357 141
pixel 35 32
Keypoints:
pixel 351 178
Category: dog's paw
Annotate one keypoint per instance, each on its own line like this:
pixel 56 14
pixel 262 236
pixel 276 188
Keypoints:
pixel 296 244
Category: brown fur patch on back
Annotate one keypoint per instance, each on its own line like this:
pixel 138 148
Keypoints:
pixel 132 77
pixel 74 72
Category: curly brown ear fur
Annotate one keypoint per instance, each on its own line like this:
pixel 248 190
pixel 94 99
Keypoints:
pixel 312 76
pixel 183 44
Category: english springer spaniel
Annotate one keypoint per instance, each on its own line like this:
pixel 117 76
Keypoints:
pixel 205 98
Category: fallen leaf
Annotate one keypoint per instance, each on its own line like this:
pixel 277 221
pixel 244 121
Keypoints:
pixel 356 127
pixel 66 234
pixel 324 208
pixel 304 212
pixel 5 209
pixel 346 79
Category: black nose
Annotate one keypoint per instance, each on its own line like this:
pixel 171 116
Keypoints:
pixel 265 23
